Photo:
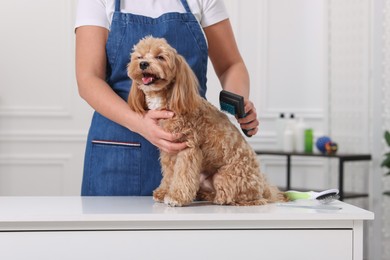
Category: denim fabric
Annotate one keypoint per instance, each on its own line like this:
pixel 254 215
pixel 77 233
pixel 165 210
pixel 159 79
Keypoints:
pixel 119 162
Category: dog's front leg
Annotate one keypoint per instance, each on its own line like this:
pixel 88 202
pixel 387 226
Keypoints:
pixel 167 167
pixel 186 178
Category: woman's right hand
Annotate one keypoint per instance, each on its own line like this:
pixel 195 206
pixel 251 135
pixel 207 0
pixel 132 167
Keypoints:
pixel 155 134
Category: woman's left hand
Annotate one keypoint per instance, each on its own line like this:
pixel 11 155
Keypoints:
pixel 250 121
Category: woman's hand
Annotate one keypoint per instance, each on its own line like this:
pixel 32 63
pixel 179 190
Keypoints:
pixel 250 121
pixel 153 132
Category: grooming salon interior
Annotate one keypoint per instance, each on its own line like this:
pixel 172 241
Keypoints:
pixel 320 80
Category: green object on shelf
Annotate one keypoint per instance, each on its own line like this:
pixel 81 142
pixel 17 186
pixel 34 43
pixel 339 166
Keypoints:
pixel 308 140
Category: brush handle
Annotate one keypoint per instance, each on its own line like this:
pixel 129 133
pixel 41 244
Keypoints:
pixel 299 195
pixel 233 104
pixel 245 131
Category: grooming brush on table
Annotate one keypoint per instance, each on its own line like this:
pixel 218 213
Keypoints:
pixel 233 104
pixel 324 197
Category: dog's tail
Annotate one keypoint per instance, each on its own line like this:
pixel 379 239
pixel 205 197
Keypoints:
pixel 273 194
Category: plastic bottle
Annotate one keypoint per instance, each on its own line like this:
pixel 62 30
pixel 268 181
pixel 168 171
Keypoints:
pixel 292 124
pixel 288 138
pixel 300 136
pixel 308 140
pixel 281 126
pixel 292 117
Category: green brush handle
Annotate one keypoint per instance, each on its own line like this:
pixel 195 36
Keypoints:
pixel 298 195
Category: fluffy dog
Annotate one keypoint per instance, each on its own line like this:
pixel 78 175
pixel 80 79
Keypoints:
pixel 218 165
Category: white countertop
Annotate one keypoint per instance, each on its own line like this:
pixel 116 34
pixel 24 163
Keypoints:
pixel 69 213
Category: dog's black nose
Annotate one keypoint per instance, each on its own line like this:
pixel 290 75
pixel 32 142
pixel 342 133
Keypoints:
pixel 144 65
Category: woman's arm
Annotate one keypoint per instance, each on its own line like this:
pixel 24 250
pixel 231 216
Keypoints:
pixel 90 74
pixel 230 68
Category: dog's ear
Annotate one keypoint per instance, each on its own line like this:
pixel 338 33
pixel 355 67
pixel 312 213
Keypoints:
pixel 185 91
pixel 136 99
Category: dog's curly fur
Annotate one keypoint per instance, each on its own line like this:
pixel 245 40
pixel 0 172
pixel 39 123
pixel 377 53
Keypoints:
pixel 218 165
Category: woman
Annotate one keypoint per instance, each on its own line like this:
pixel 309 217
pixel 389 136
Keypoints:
pixel 122 147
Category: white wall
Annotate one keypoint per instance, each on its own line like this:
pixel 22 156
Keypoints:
pixel 284 45
pixel 380 123
pixel 43 121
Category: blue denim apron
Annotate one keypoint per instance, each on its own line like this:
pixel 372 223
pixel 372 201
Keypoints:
pixel 119 162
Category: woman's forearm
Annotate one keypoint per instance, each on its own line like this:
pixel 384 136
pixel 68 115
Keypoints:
pixel 99 95
pixel 236 79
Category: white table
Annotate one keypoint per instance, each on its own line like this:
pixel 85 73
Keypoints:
pixel 48 228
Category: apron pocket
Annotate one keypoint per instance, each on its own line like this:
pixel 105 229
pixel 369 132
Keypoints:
pixel 115 168
pixel 113 143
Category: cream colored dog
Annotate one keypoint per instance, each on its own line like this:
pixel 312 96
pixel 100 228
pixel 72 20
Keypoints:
pixel 218 157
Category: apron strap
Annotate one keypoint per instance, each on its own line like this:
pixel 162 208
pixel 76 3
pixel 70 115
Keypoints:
pixel 117 5
pixel 186 6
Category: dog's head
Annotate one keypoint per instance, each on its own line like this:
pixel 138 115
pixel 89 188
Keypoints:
pixel 156 69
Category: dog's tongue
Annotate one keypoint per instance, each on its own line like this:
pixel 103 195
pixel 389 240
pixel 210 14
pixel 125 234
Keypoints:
pixel 147 80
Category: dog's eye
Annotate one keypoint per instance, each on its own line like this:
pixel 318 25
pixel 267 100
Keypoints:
pixel 160 57
pixel 139 57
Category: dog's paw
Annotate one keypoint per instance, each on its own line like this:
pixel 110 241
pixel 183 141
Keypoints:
pixel 159 195
pixel 222 201
pixel 221 198
pixel 177 200
pixel 172 202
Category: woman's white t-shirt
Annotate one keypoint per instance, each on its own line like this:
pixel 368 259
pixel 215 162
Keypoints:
pixel 100 12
